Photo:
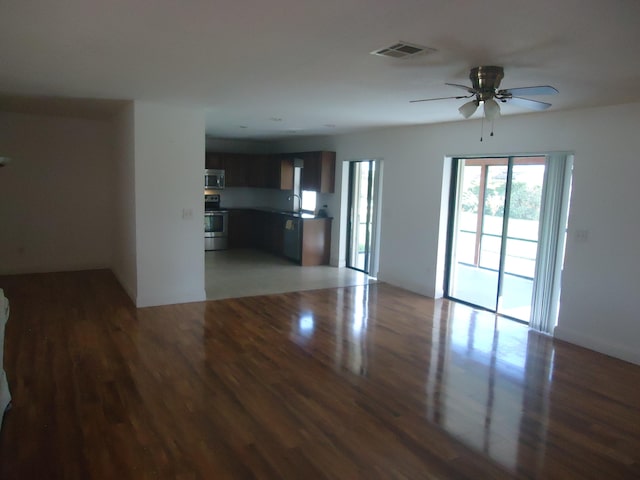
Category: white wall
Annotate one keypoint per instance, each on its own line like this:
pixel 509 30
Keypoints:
pixel 169 150
pixel 601 277
pixel 124 244
pixel 55 197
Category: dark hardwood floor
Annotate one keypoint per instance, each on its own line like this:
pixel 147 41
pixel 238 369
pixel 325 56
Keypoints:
pixel 368 382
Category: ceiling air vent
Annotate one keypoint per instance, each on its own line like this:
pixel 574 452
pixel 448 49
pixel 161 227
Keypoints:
pixel 403 50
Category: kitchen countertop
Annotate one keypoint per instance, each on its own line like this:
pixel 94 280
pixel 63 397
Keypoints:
pixel 304 216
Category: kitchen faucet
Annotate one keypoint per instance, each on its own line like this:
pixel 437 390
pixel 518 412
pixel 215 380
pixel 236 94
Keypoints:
pixel 290 197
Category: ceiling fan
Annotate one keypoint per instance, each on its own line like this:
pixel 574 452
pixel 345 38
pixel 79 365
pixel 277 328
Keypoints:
pixel 485 82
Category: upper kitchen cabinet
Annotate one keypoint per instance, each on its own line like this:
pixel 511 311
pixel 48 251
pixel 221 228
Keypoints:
pixel 319 171
pixel 270 171
pixel 276 171
pixel 214 161
pixel 280 172
pixel 236 167
pixel 257 171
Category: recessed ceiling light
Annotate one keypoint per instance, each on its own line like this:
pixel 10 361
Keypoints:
pixel 275 119
pixel 243 126
pixel 330 125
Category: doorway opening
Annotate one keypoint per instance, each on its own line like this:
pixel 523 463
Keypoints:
pixel 504 246
pixel 361 225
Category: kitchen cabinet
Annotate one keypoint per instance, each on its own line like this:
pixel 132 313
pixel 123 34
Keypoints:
pixel 259 223
pixel 270 171
pixel 279 174
pixel 240 228
pixel 234 164
pixel 276 171
pixel 214 161
pixel 267 231
pixel 316 241
pixel 318 173
pixel 236 169
pixel 274 233
pixel 306 241
pixel 257 171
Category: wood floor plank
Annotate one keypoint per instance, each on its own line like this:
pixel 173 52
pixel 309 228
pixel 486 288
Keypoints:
pixel 369 382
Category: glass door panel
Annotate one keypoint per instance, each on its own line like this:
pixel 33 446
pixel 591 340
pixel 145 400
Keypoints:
pixel 361 175
pixel 477 237
pixel 494 234
pixel 522 238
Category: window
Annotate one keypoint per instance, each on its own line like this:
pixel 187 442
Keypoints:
pixel 308 201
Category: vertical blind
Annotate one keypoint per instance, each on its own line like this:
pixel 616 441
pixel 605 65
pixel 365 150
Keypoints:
pixel 552 232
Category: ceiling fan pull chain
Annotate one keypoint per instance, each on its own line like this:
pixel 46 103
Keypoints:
pixel 491 128
pixel 481 127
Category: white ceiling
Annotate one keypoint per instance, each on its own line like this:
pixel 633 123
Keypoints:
pixel 307 62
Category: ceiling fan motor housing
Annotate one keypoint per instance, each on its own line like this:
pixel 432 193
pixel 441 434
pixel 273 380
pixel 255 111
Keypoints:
pixel 485 81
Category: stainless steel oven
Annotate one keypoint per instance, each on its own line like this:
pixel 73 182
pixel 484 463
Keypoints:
pixel 216 224
pixel 215 230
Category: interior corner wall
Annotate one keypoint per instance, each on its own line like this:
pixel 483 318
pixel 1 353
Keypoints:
pixel 55 196
pixel 600 283
pixel 124 245
pixel 169 150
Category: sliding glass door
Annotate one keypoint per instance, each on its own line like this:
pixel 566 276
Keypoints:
pixel 494 233
pixel 361 215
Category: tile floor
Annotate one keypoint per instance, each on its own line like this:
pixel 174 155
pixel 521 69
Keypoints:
pixel 243 273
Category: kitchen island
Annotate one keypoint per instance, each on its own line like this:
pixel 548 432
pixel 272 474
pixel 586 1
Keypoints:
pixel 302 238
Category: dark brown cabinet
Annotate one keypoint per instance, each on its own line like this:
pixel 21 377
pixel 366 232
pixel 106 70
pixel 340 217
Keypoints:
pixel 262 230
pixel 316 241
pixel 276 171
pixel 265 230
pixel 318 173
pixel 236 169
pixel 257 171
pixel 241 228
pixel 274 233
pixel 234 164
pixel 214 161
pixel 270 171
pixel 279 172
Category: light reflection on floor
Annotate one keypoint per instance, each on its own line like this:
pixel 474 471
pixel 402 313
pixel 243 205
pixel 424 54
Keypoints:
pixel 471 358
pixel 484 352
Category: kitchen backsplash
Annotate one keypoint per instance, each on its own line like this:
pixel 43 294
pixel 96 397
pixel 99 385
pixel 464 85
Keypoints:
pixel 238 197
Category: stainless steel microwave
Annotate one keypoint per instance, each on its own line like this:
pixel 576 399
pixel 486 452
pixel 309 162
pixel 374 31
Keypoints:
pixel 213 179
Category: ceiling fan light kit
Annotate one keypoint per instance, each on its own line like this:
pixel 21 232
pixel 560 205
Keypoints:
pixel 468 108
pixel 491 109
pixel 485 82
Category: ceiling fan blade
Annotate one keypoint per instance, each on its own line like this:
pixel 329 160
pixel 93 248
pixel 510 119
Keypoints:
pixel 464 87
pixel 527 103
pixel 439 98
pixel 540 90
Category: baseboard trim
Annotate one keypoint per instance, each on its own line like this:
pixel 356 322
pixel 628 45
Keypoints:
pixel 614 350
pixel 169 298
